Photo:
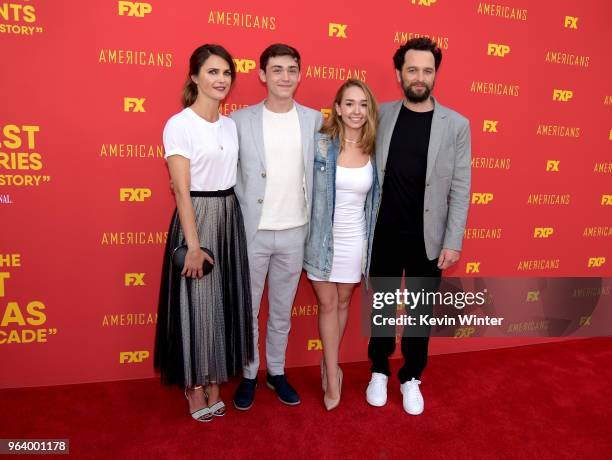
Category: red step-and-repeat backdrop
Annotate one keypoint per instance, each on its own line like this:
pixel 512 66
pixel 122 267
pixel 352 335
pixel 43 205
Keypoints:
pixel 84 196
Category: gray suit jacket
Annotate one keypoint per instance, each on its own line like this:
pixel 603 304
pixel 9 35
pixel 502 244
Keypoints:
pixel 447 190
pixel 251 177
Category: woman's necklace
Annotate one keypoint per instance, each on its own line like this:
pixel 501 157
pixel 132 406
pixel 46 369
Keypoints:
pixel 220 130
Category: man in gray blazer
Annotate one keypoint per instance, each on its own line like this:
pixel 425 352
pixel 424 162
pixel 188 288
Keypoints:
pixel 274 189
pixel 423 162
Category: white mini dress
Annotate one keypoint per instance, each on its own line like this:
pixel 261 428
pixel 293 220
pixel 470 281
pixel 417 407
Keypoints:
pixel 349 227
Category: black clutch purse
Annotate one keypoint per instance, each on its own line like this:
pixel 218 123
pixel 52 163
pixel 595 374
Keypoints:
pixel 178 259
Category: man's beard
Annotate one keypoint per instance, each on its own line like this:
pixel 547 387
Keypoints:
pixel 413 96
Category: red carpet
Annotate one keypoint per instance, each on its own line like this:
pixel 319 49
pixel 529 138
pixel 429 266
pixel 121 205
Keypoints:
pixel 546 401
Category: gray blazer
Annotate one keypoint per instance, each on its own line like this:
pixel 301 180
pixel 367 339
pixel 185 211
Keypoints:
pixel 251 177
pixel 447 190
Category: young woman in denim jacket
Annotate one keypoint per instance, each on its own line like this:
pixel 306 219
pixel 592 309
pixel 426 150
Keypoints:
pixel 336 250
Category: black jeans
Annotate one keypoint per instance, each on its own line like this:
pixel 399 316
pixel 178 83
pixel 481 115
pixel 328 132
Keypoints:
pixel 395 252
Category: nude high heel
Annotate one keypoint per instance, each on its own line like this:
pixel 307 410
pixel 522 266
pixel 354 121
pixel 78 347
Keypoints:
pixel 330 403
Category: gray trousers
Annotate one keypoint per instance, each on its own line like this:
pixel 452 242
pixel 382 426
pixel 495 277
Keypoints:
pixel 277 254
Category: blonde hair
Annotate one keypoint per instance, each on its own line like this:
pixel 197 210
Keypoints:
pixel 334 127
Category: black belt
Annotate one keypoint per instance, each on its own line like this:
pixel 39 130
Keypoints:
pixel 228 192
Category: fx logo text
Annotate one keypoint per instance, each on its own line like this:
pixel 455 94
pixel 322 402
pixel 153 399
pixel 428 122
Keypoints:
pixel 136 9
pixel 552 165
pixel 494 49
pixel 481 198
pixel 128 357
pixel 134 194
pixel 336 30
pixel 464 332
pixel 570 22
pixel 562 95
pixel 134 279
pixel 472 267
pixel 596 261
pixel 244 65
pixel 542 232
pixel 133 104
pixel 489 126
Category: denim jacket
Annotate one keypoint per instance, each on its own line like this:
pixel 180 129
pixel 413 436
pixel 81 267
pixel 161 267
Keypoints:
pixel 319 249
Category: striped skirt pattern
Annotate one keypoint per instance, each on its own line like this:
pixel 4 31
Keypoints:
pixel 204 326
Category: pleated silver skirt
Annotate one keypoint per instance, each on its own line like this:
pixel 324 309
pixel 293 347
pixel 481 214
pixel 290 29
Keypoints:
pixel 204 326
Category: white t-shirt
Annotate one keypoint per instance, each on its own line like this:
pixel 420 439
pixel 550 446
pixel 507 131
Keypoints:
pixel 284 203
pixel 211 148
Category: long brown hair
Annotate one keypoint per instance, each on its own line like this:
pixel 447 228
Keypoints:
pixel 196 61
pixel 334 127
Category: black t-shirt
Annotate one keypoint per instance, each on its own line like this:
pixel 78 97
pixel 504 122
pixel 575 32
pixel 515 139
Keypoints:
pixel 404 184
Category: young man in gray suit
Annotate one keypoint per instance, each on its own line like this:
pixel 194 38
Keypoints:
pixel 274 189
pixel 423 162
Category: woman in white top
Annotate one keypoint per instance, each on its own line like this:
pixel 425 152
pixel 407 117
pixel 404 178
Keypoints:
pixel 335 251
pixel 204 328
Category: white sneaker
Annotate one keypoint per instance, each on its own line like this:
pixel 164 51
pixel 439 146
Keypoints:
pixel 413 399
pixel 376 394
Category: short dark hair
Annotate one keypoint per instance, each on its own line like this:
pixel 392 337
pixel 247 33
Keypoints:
pixel 196 61
pixel 419 44
pixel 278 49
